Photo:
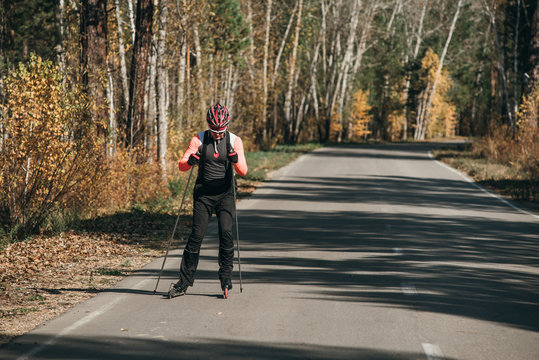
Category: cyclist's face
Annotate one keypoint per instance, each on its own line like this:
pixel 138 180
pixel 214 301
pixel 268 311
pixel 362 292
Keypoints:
pixel 217 136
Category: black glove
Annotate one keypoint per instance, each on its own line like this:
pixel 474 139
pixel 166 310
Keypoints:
pixel 193 159
pixel 233 156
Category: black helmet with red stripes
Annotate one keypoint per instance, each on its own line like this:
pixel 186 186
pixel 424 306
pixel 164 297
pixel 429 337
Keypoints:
pixel 218 118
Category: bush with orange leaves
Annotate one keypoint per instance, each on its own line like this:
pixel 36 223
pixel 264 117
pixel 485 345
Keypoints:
pixel 50 155
pixel 528 133
pixel 129 182
pixel 518 149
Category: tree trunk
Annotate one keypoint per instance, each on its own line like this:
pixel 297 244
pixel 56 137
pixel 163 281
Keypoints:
pixel 340 90
pixel 292 70
pixel 132 20
pixel 123 66
pixel 396 9
pixel 93 31
pixel 430 96
pixel 60 34
pixel 150 101
pixel 251 62
pixel 323 123
pixel 162 126
pixel 501 67
pixel 111 147
pixel 414 57
pixel 200 83
pixel 276 67
pixel 180 94
pixel 533 59
pixel 188 88
pixel 265 74
pixel 476 92
pixel 515 63
pixel 139 63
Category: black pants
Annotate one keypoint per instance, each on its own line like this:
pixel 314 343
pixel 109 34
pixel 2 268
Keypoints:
pixel 205 203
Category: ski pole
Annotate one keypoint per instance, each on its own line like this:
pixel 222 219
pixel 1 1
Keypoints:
pixel 237 231
pixel 174 231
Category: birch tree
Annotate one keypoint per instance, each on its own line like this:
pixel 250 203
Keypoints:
pixel 277 64
pixel 421 125
pixel 265 73
pixel 501 66
pixel 162 124
pixel 418 40
pixel 532 75
pixel 292 70
pixel 60 33
pixel 123 66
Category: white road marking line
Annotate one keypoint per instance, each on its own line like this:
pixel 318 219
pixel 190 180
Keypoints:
pixel 433 352
pixel 471 181
pixel 91 316
pixel 408 289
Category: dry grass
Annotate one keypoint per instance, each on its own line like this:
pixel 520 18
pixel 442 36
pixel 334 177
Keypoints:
pixel 511 179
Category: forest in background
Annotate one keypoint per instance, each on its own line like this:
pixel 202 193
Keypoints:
pixel 100 97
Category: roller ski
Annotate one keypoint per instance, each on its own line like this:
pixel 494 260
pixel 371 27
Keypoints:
pixel 176 290
pixel 226 286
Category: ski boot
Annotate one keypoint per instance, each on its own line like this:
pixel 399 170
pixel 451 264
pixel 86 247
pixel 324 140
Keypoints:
pixel 226 285
pixel 177 289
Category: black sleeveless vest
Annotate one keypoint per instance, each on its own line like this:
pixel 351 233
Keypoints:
pixel 214 169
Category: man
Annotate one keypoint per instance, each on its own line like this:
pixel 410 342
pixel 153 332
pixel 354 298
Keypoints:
pixel 217 153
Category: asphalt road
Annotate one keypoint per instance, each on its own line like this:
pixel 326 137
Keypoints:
pixel 353 252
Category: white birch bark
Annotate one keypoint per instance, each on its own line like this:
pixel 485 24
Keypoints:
pixel 277 65
pixel 60 31
pixel 112 116
pixel 228 85
pixel 323 30
pixel 342 79
pixel 121 50
pixel 251 63
pixel 430 95
pixel 314 80
pixel 396 9
pixel 198 51
pixel 233 86
pixel 515 63
pixel 150 102
pixel 265 73
pixel 162 125
pixel 131 19
pixel 281 47
pixel 292 69
pixel 362 45
pixel 180 93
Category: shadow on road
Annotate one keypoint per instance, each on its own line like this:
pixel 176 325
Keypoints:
pixel 132 348
pixel 478 266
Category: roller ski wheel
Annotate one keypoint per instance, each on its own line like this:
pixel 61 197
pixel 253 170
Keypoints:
pixel 226 286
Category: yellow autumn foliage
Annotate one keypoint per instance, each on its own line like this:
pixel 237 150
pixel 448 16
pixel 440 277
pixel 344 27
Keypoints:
pixel 360 117
pixel 527 135
pixel 442 114
pixel 49 155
